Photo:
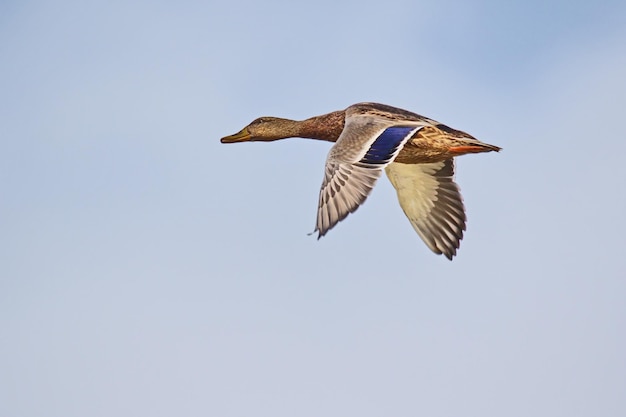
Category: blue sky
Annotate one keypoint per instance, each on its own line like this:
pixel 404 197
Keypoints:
pixel 147 269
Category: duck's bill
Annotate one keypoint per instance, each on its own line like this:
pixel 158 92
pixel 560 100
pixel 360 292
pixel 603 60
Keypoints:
pixel 241 136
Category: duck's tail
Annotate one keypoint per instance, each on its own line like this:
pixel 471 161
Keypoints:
pixel 474 146
pixel 460 143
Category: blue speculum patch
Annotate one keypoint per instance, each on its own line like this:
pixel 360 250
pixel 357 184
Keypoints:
pixel 383 148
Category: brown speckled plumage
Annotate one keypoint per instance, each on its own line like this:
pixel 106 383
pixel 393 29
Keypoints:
pixel 368 139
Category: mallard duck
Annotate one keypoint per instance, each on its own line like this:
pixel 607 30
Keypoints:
pixel 416 153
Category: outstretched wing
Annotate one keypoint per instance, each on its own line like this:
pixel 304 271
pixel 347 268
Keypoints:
pixel 432 201
pixel 354 164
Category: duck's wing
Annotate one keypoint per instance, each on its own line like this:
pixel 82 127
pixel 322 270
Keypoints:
pixel 432 201
pixel 365 147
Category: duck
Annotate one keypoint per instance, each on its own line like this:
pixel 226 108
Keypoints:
pixel 417 154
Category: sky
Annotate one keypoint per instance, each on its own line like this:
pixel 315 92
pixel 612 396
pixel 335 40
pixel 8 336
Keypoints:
pixel 147 269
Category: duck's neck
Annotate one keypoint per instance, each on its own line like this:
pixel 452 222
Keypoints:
pixel 325 127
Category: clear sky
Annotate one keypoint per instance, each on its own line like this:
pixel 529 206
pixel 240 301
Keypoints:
pixel 148 270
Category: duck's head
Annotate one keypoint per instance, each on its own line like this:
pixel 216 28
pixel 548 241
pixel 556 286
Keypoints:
pixel 264 129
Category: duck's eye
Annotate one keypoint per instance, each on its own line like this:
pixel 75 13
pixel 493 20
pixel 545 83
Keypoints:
pixel 260 120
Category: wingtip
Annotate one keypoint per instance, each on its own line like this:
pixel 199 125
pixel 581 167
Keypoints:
pixel 319 233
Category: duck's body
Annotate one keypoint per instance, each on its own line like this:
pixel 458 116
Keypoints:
pixel 416 153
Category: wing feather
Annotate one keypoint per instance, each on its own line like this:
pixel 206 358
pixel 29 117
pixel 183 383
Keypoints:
pixel 338 200
pixel 432 202
pixel 354 164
